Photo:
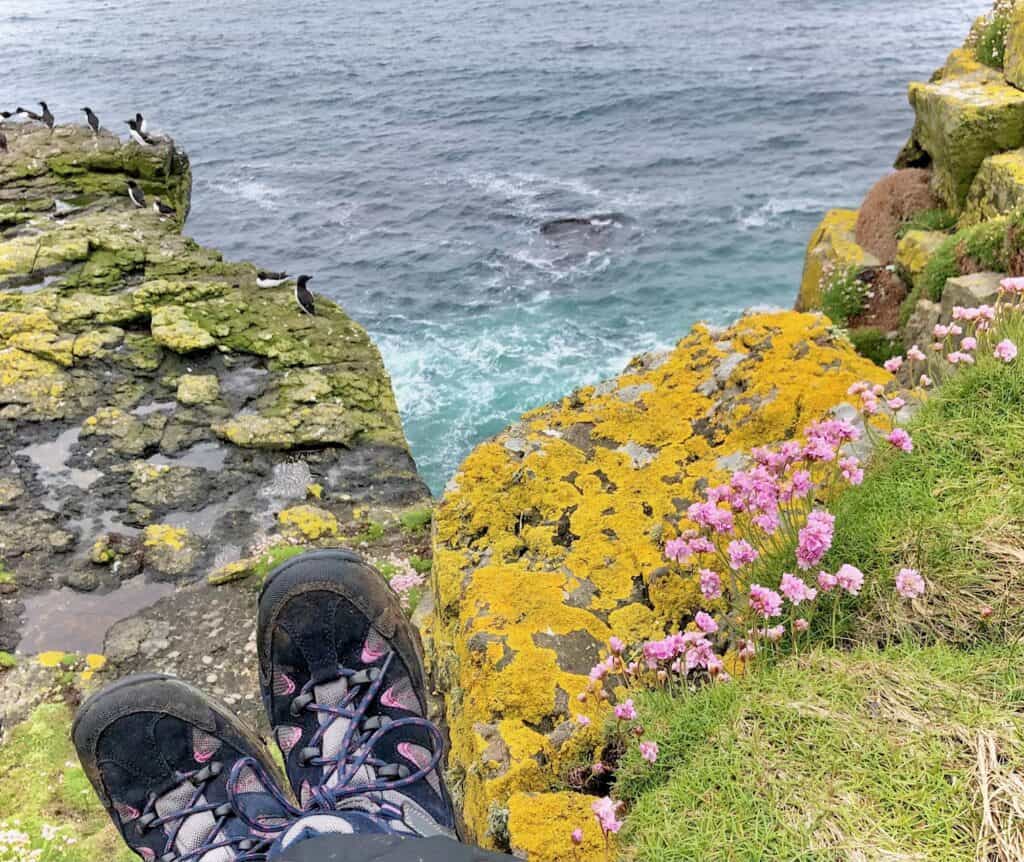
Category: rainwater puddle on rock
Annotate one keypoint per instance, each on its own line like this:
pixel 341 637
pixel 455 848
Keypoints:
pixel 201 523
pixel 210 456
pixel 77 622
pixel 51 459
pixel 154 407
pixel 35 287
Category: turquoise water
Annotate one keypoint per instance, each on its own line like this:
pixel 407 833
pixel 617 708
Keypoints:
pixel 408 155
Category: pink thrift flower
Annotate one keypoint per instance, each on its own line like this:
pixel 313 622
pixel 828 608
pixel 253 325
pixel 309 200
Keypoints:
pixel 794 589
pixel 850 578
pixel 577 837
pixel 625 711
pixel 901 440
pixel 605 810
pixel 955 329
pixel 710 584
pixel 801 480
pixel 801 625
pixel 827 582
pixel 746 650
pixel 775 633
pixel 958 357
pixel 706 623
pixel 916 354
pixel 655 651
pixel 740 554
pixel 582 720
pixel 940 331
pixel 765 602
pixel 814 538
pixel 969 343
pixel 925 381
pixel 1006 350
pixel 649 751
pixel 909 583
pixel 616 645
pixel 851 470
pixel 1012 285
pixel 858 387
pixel 893 365
pixel 896 403
pixel 708 515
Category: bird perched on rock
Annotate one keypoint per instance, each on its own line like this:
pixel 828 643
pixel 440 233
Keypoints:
pixel 136 194
pixel 32 115
pixel 6 115
pixel 92 120
pixel 302 295
pixel 162 210
pixel 140 121
pixel 139 136
pixel 47 117
pixel 265 278
pixel 3 143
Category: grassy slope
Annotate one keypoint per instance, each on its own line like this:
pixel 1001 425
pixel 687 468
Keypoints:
pixel 873 754
pixel 856 756
pixel 45 797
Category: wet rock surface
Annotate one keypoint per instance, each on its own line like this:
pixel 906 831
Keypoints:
pixel 158 411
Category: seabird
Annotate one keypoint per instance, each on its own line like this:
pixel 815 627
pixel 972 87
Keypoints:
pixel 162 210
pixel 302 295
pixel 6 115
pixel 140 121
pixel 136 194
pixel 3 143
pixel 140 137
pixel 47 117
pixel 265 278
pixel 32 115
pixel 93 120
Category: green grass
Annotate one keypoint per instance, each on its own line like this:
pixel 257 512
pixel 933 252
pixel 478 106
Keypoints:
pixel 937 219
pixel 953 508
pixel 985 244
pixel 869 755
pixel 415 521
pixel 42 787
pixel 421 564
pixel 991 46
pixel 273 558
pixel 843 296
pixel 373 532
pixel 874 344
pixel 7 660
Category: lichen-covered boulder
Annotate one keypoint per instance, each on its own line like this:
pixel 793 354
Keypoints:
pixel 970 291
pixel 998 188
pixel 833 246
pixel 1013 58
pixel 914 251
pixel 549 539
pixel 960 123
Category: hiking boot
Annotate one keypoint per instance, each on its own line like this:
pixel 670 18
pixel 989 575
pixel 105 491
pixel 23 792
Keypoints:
pixel 342 680
pixel 182 779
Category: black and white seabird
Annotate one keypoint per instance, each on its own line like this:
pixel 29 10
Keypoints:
pixel 92 120
pixel 140 137
pixel 46 116
pixel 140 121
pixel 32 115
pixel 162 210
pixel 302 295
pixel 6 115
pixel 265 278
pixel 136 194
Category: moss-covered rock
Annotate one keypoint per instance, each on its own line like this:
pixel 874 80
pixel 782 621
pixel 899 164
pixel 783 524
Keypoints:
pixel 1013 59
pixel 914 251
pixel 549 538
pixel 833 246
pixel 198 389
pixel 997 189
pixel 959 124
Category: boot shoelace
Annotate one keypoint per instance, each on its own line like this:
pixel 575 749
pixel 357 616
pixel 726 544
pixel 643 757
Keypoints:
pixel 248 849
pixel 365 729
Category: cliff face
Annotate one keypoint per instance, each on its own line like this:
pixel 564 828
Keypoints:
pixel 550 539
pixel 160 414
pixel 968 140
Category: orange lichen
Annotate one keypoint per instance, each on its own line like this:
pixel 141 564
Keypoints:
pixel 551 538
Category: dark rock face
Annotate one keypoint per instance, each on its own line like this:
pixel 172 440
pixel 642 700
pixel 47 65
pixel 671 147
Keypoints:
pixel 158 410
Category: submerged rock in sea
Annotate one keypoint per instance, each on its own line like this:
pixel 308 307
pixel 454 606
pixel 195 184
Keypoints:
pixel 154 403
pixel 550 538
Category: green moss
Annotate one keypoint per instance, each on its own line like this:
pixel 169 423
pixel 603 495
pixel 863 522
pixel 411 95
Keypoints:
pixel 832 756
pixel 42 787
pixel 983 245
pixel 273 558
pixel 7 660
pixel 990 48
pixel 937 219
pixel 874 344
pixel 420 564
pixel 416 520
pixel 374 532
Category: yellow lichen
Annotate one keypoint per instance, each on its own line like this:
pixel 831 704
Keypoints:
pixel 311 521
pixel 164 535
pixel 832 247
pixel 559 524
pixel 95 661
pixel 540 827
pixel 316 490
pixel 50 658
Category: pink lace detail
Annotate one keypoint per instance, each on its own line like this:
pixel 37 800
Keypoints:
pixel 416 753
pixel 288 737
pixel 375 647
pixel 125 812
pixel 282 684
